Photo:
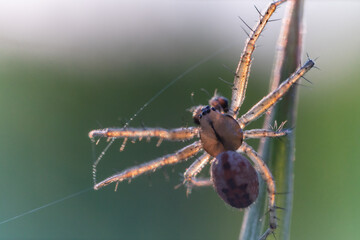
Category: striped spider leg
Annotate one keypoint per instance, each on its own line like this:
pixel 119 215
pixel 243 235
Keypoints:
pixel 243 69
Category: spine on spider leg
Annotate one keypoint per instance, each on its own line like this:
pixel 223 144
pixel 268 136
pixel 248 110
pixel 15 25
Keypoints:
pixel 279 155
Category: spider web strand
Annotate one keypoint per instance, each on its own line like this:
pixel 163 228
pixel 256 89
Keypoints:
pixel 46 205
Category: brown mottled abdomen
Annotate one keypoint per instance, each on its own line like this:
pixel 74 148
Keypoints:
pixel 235 179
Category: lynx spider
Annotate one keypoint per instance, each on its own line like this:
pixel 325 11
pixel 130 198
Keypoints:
pixel 221 134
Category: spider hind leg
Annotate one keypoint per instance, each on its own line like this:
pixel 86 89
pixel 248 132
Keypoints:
pixel 269 180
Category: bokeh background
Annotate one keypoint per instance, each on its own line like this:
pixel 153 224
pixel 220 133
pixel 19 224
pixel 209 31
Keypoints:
pixel 68 67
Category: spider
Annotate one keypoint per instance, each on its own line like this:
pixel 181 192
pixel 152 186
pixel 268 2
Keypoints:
pixel 222 136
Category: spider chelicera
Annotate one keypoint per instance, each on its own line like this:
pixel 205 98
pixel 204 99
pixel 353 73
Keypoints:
pixel 222 136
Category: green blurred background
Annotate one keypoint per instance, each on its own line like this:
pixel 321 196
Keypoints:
pixel 67 68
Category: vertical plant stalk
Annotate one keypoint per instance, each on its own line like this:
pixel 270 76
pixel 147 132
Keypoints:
pixel 279 154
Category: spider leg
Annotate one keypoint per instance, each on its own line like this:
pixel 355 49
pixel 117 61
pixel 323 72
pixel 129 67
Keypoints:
pixel 273 97
pixel 260 133
pixel 196 167
pixel 243 68
pixel 181 155
pixel 177 134
pixel 268 178
pixel 201 182
pixel 190 179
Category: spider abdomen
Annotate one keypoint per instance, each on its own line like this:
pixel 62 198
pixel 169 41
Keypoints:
pixel 219 132
pixel 235 179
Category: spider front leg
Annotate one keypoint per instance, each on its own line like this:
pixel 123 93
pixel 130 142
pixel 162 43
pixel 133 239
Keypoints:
pixel 181 155
pixel 243 68
pixel 177 134
pixel 268 178
pixel 273 97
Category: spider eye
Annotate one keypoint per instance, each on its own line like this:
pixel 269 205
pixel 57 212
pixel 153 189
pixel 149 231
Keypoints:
pixel 197 115
pixel 219 103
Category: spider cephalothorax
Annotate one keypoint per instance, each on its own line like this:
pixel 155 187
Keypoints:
pixel 219 132
pixel 222 139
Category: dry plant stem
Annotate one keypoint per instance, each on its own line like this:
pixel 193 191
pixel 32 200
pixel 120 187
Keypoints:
pixel 279 155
